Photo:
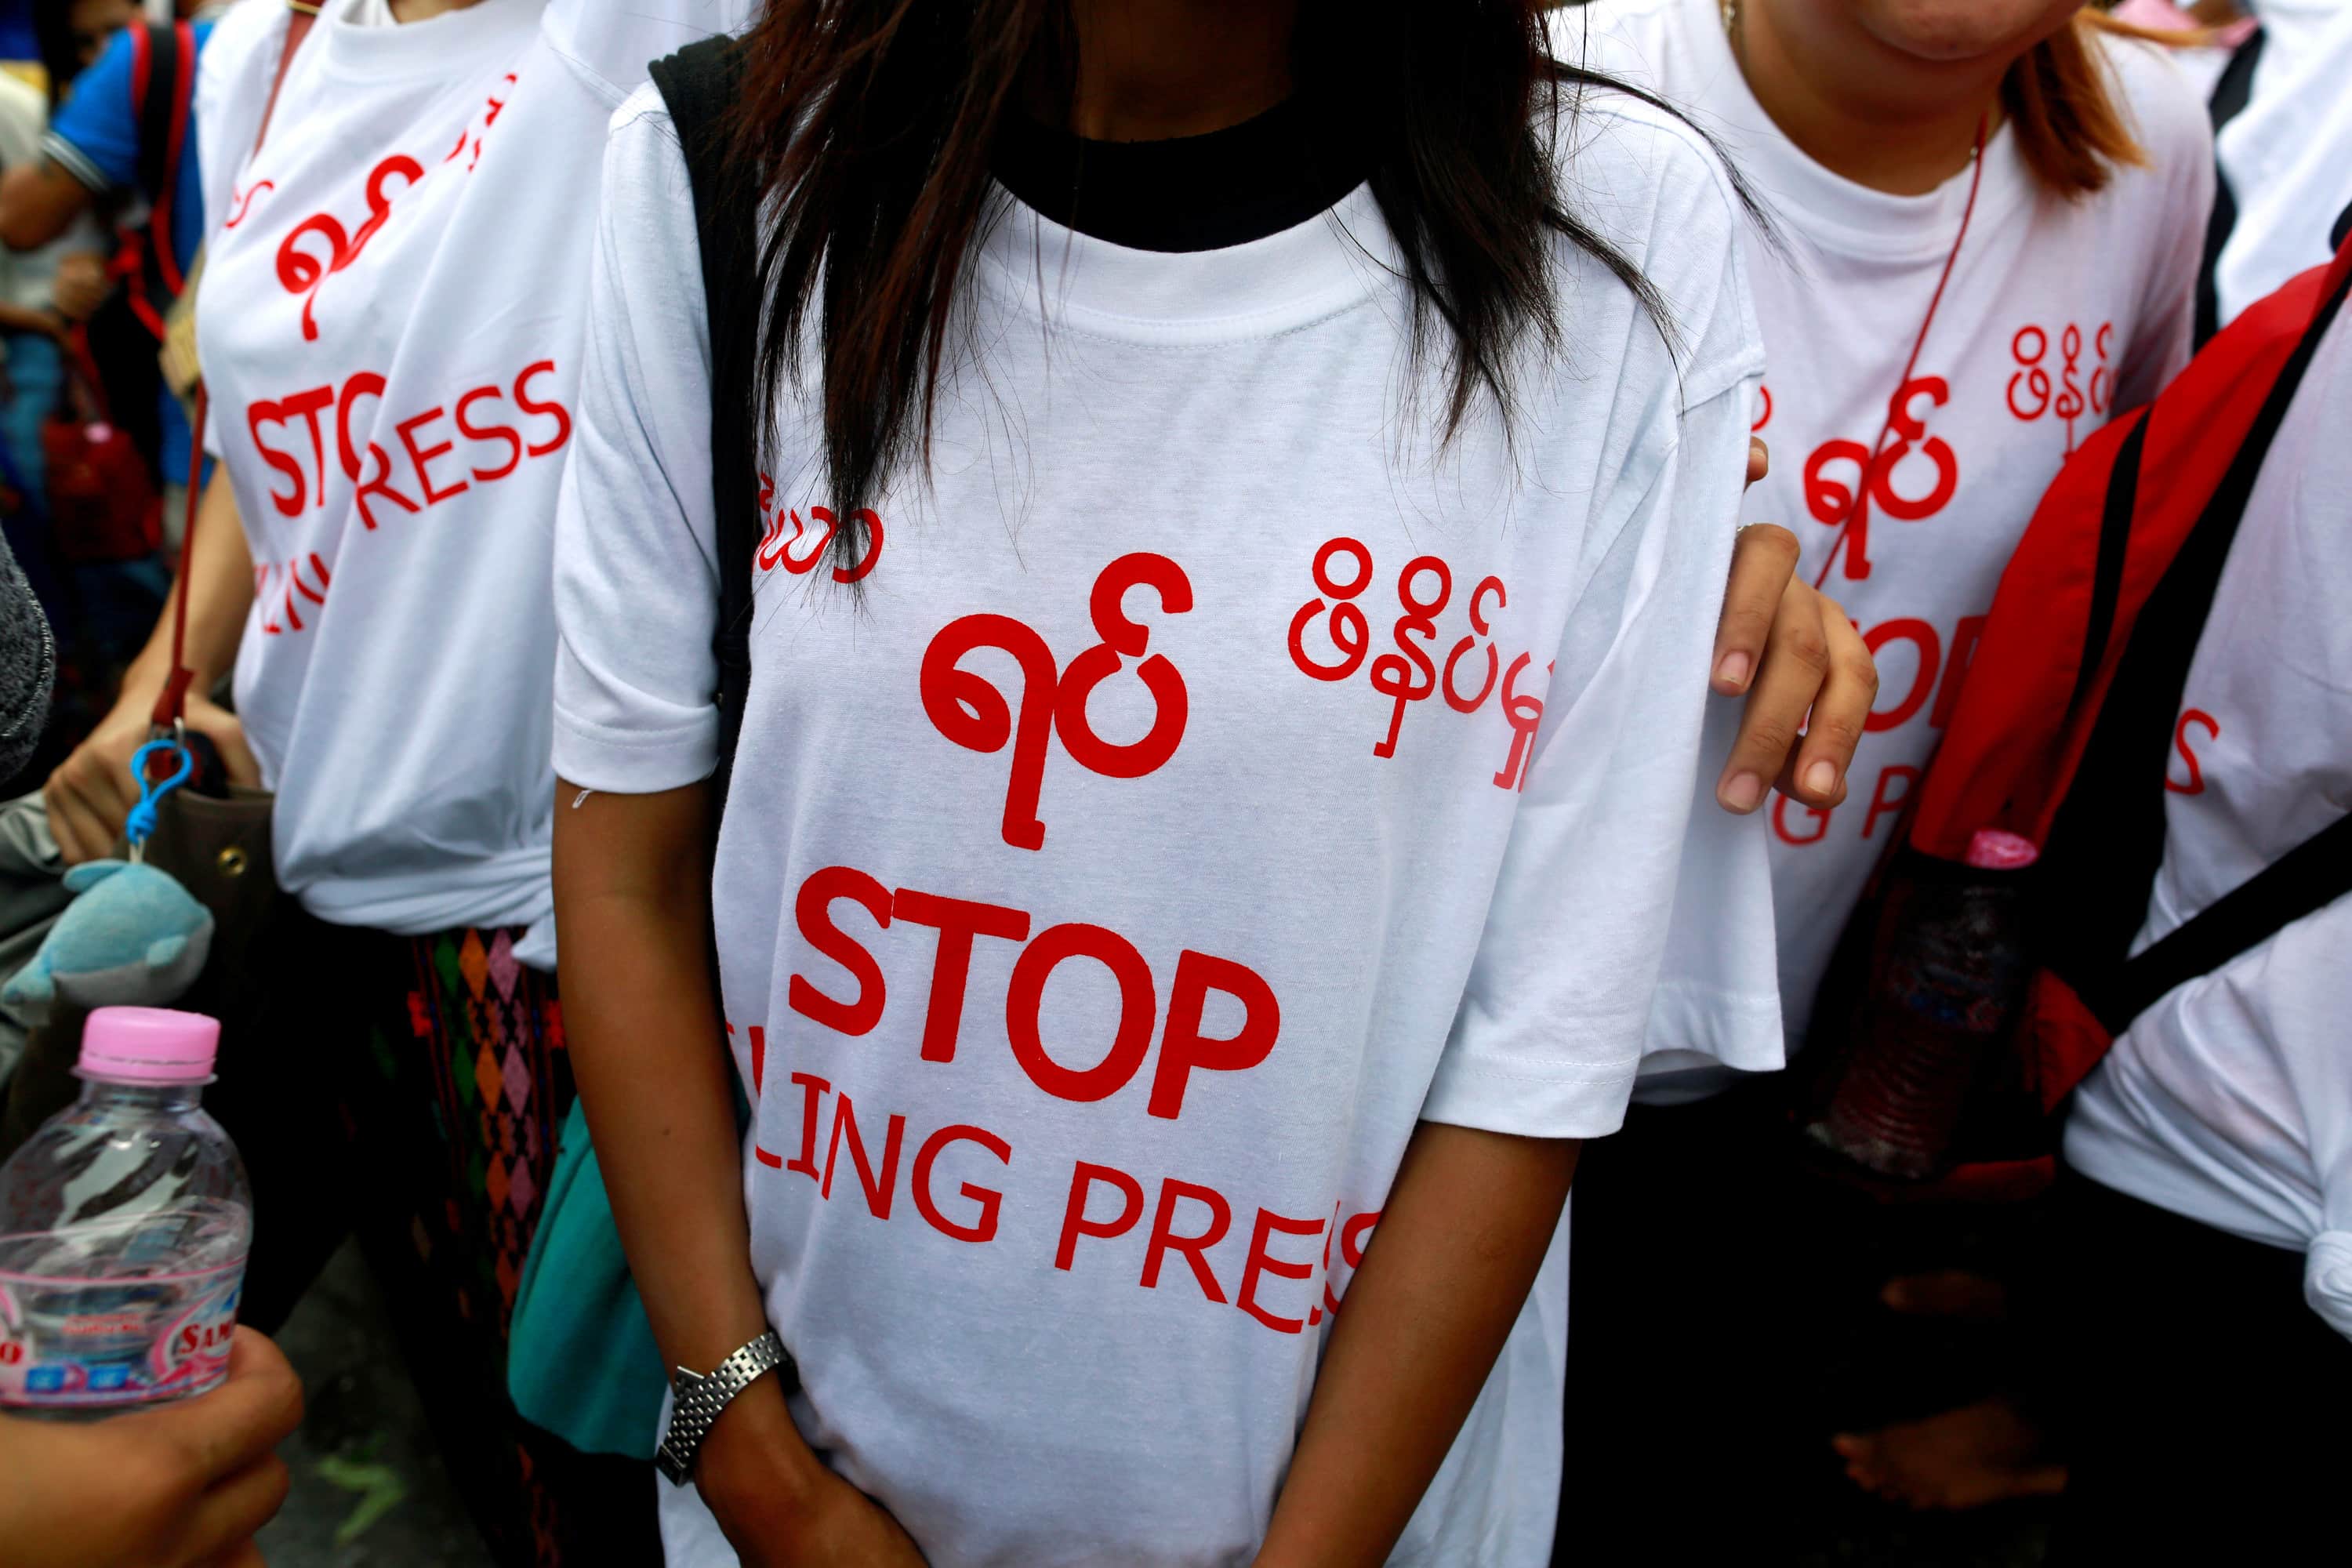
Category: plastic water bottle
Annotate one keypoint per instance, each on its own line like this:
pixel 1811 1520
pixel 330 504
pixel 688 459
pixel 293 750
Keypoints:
pixel 124 1225
pixel 1951 970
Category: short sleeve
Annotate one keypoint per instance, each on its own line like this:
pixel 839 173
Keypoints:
pixel 1554 1022
pixel 637 576
pixel 236 67
pixel 95 135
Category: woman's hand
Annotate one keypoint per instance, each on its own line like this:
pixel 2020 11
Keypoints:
pixel 178 1485
pixel 91 792
pixel 1791 649
pixel 778 1506
pixel 81 286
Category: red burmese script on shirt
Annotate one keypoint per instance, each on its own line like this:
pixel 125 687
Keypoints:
pixel 498 440
pixel 305 273
pixel 1412 674
pixel 776 549
pixel 968 711
pixel 1189 1219
pixel 2040 390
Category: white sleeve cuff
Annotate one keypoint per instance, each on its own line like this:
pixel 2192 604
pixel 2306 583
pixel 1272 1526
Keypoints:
pixel 636 760
pixel 1571 1099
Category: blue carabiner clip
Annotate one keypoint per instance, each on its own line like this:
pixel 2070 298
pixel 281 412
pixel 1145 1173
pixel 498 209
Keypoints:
pixel 141 825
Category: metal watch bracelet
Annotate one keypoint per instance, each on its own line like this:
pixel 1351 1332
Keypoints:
pixel 697 1398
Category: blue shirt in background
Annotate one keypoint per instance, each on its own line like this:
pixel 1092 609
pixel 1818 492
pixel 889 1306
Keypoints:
pixel 94 136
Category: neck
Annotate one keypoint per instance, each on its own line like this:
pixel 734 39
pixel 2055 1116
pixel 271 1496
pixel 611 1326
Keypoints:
pixel 418 10
pixel 1874 114
pixel 1146 70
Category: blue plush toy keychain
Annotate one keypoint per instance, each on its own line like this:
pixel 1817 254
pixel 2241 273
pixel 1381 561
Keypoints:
pixel 141 825
pixel 132 936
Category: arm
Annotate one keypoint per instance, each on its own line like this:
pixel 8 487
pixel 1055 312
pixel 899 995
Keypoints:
pixel 1458 1244
pixel 24 319
pixel 91 792
pixel 633 900
pixel 91 147
pixel 635 589
pixel 37 202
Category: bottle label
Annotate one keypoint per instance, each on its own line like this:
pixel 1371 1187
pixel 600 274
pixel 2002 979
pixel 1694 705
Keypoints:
pixel 71 1345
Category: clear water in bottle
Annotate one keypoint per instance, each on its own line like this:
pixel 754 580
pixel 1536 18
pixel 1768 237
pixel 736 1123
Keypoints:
pixel 124 1225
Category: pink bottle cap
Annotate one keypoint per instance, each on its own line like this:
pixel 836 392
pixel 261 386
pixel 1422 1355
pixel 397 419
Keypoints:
pixel 1994 850
pixel 148 1045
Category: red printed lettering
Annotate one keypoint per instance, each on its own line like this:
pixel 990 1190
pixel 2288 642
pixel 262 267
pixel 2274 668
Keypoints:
pixel 1921 635
pixel 1782 830
pixel 2195 783
pixel 421 456
pixel 550 409
pixel 473 432
pixel 1184 1048
pixel 814 911
pixel 1195 1248
pixel 1349 632
pixel 971 713
pixel 812 1089
pixel 1262 1262
pixel 1075 1223
pixel 880 1189
pixel 957 920
pixel 264 411
pixel 1882 802
pixel 1137 1008
pixel 1393 673
pixel 985 1227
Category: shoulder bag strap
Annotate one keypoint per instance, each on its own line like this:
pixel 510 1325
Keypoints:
pixel 2310 877
pixel 701 84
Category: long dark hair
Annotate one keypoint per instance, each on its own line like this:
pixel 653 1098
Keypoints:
pixel 869 123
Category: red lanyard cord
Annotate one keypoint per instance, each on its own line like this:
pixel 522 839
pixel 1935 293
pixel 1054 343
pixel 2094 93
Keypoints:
pixel 1862 486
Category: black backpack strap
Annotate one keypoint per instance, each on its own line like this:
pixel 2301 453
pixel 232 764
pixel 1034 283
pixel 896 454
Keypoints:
pixel 701 84
pixel 2311 875
pixel 155 83
pixel 2231 94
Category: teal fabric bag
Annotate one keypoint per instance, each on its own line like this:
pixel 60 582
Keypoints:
pixel 581 1358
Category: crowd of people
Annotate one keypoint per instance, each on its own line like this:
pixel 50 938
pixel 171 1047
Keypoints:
pixel 844 510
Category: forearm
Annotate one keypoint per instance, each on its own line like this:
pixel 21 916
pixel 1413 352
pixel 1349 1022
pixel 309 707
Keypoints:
pixel 219 569
pixel 1464 1231
pixel 645 1041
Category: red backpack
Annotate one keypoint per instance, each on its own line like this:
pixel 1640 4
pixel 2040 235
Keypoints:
pixel 1988 970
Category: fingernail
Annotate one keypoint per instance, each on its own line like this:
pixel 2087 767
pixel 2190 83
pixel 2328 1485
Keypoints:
pixel 1744 792
pixel 1822 777
pixel 1732 670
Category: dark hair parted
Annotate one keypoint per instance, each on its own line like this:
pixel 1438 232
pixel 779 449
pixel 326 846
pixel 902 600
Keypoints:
pixel 868 125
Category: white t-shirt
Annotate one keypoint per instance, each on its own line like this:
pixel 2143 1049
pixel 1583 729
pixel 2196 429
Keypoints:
pixel 2230 1101
pixel 2057 315
pixel 393 305
pixel 2288 155
pixel 1248 903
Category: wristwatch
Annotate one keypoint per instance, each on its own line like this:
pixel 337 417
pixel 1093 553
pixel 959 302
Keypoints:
pixel 697 1398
